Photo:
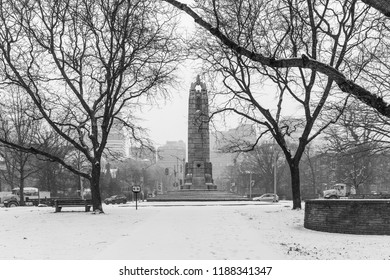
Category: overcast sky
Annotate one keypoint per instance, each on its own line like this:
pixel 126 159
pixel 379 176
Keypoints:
pixel 168 122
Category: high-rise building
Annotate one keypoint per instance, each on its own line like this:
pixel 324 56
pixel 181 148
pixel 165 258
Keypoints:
pixel 115 147
pixel 171 157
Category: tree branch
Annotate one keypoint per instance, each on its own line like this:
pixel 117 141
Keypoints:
pixel 345 85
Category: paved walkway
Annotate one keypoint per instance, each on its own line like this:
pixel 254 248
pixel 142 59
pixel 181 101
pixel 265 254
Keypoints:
pixel 192 232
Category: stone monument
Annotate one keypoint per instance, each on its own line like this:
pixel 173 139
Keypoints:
pixel 198 169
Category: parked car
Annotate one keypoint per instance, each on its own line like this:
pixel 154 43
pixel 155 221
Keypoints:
pixel 270 197
pixel 116 199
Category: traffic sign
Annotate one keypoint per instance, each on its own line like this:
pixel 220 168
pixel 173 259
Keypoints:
pixel 136 189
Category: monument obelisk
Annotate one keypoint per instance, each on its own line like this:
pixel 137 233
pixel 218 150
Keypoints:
pixel 198 169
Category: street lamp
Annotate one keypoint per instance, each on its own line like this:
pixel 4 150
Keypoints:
pixel 251 184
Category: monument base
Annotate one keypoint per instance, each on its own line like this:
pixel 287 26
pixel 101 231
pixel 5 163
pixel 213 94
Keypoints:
pixel 198 195
pixel 204 187
pixel 198 176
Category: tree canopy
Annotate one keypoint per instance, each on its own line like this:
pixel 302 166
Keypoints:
pixel 87 66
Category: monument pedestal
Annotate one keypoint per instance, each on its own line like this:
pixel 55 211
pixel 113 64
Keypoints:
pixel 198 176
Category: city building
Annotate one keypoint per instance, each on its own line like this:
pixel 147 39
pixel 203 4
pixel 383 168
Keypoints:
pixel 171 157
pixel 116 144
pixel 222 157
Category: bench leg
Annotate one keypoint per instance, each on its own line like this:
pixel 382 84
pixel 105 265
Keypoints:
pixel 87 208
pixel 58 209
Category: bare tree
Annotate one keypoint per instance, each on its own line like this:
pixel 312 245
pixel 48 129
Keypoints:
pixel 359 136
pixel 87 65
pixel 261 161
pixel 17 127
pixel 304 60
pixel 51 176
pixel 331 34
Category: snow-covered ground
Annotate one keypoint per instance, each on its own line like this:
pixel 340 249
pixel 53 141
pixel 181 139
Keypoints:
pixel 177 231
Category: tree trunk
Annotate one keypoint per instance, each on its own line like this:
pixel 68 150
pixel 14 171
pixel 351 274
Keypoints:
pixel 295 185
pixel 95 190
pixel 21 188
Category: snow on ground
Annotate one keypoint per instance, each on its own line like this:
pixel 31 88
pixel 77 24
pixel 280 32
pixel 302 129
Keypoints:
pixel 181 231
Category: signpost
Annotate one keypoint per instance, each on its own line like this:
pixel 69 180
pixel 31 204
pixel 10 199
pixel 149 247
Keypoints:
pixel 136 190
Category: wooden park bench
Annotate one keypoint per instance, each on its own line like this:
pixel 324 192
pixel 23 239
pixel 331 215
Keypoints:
pixel 72 202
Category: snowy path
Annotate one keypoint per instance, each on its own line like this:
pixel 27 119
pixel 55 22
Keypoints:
pixel 192 232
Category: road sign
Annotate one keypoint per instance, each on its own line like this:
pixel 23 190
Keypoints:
pixel 136 190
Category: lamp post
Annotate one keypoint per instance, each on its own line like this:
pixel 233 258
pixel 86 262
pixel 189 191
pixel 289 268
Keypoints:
pixel 250 185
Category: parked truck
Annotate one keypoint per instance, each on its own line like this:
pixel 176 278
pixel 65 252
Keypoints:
pixel 32 196
pixel 336 191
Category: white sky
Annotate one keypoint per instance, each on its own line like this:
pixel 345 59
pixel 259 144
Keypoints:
pixel 168 122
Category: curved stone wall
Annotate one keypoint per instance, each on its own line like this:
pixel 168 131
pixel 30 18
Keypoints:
pixel 355 216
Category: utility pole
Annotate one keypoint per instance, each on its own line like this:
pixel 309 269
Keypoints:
pixel 250 185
